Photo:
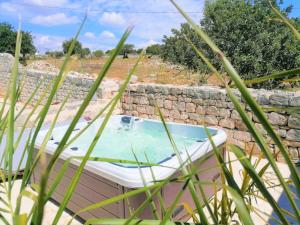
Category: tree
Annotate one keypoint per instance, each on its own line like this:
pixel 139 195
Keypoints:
pixel 85 52
pixel 246 31
pixel 55 54
pixel 127 49
pixel 98 53
pixel 77 48
pixel 8 37
pixel 153 49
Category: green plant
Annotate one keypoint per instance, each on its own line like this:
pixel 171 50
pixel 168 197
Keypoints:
pixel 234 205
pixel 247 32
pixel 8 37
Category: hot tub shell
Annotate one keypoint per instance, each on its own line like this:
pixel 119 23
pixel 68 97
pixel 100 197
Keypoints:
pixel 100 181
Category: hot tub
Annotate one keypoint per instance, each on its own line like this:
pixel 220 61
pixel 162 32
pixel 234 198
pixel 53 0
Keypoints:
pixel 126 138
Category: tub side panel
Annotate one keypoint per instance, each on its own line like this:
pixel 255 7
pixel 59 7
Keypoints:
pixel 90 189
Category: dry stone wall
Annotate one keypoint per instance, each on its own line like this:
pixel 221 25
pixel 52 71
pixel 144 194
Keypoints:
pixel 211 106
pixel 77 87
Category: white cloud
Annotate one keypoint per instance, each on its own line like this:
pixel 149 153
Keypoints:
pixel 89 35
pixel 48 42
pixel 55 19
pixel 107 35
pixel 48 3
pixel 112 18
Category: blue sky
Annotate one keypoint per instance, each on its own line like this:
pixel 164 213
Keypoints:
pixel 52 22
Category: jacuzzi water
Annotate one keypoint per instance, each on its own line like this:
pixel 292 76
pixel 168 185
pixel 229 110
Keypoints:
pixel 143 139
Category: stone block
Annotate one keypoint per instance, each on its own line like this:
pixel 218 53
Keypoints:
pixel 168 104
pixel 179 106
pixel 190 107
pixel 175 114
pixel 242 136
pixel 293 135
pixel 295 100
pixel 294 122
pixel 227 123
pixel 200 110
pixel 240 125
pixel 212 110
pixel 211 120
pixel 277 119
pixel 280 98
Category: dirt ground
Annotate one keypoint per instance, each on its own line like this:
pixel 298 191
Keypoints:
pixel 150 70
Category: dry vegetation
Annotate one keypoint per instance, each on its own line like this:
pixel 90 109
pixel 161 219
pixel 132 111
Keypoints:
pixel 151 70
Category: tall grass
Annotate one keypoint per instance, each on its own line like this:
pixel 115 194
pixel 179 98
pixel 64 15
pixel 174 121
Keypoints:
pixel 235 202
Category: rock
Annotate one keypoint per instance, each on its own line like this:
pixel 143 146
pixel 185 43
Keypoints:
pixel 175 114
pixel 281 98
pixel 212 110
pixel 168 104
pixel 211 120
pixel 190 107
pixel 294 122
pixel 227 123
pixel 293 135
pixel 277 119
pixel 179 105
pixel 200 110
pixel 240 125
pixel 134 79
pixel 295 100
pixel 242 136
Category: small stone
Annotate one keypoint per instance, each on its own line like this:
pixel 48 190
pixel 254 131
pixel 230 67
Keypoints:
pixel 277 119
pixel 293 135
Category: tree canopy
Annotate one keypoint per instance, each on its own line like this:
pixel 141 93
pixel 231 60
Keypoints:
pixel 8 36
pixel 98 53
pixel 154 49
pixel 77 48
pixel 246 31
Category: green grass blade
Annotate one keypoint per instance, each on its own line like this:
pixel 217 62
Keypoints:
pixel 286 21
pixel 256 110
pixel 242 209
pixel 77 175
pixel 9 150
pixel 133 222
pixel 185 172
pixel 258 181
pixel 280 75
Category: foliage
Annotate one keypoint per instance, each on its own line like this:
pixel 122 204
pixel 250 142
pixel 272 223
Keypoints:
pixel 77 47
pixel 98 53
pixel 154 49
pixel 85 52
pixel 247 32
pixel 55 54
pixel 127 49
pixel 8 37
